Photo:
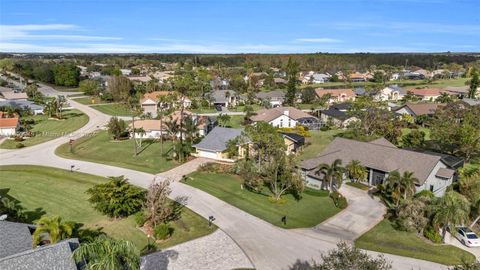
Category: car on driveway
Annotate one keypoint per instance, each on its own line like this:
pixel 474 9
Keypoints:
pixel 468 237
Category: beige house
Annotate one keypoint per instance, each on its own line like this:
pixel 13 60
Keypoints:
pixel 150 102
pixel 336 95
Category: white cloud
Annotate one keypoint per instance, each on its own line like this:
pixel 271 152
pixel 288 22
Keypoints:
pixel 318 40
pixel 24 32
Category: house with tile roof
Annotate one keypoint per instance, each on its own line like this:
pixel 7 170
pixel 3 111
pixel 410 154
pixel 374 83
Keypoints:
pixel 286 117
pixel 427 94
pixel 150 102
pixel 9 124
pixel 336 95
pixel 381 158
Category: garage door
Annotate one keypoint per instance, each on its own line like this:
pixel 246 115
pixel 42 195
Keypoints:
pixel 207 154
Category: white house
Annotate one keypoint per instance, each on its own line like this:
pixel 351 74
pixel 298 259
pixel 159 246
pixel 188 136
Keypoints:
pixel 286 117
pixel 8 125
pixel 391 92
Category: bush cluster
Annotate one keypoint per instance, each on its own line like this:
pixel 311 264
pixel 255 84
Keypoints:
pixel 163 231
pixel 339 200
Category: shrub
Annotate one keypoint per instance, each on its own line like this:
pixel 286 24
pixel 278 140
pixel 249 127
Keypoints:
pixel 140 218
pixel 163 231
pixel 20 145
pixel 324 128
pixel 339 200
pixel 215 168
pixel 431 234
pixel 19 139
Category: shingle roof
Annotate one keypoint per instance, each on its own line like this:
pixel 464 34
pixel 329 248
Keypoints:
pixel 426 92
pixel 421 108
pixel 471 102
pixel 384 142
pixel 341 115
pixel 14 238
pixel 217 139
pixel 276 94
pixel 53 257
pixel 21 104
pixel 375 156
pixel 445 173
pixel 348 92
pixel 299 139
pixel 14 95
pixel 268 115
pixel 219 96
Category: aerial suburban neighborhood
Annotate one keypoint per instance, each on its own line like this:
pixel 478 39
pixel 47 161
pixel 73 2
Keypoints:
pixel 314 153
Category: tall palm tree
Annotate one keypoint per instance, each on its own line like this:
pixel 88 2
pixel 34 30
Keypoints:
pixel 451 210
pixel 54 226
pixel 402 186
pixel 333 174
pixel 356 171
pixel 190 128
pixel 107 253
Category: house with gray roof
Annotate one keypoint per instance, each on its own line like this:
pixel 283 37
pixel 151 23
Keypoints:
pixel 216 142
pixel 381 158
pixel 224 98
pixel 275 98
pixel 17 252
pixel 337 114
pixel 34 108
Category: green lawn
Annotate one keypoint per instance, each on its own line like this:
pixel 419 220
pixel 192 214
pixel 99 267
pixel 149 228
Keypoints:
pixel 441 83
pixel 236 121
pixel 113 109
pixel 384 238
pixel 43 190
pixel 88 100
pixel 405 83
pixel 48 129
pixel 101 148
pixel 317 142
pixel 204 110
pixel 307 212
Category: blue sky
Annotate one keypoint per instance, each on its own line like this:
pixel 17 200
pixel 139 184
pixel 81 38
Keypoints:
pixel 229 26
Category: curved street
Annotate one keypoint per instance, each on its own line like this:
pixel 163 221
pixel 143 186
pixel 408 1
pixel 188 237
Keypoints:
pixel 267 246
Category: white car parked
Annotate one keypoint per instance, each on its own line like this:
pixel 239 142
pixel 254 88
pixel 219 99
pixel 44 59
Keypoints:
pixel 467 237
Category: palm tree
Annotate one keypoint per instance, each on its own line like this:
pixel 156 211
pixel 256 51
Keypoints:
pixel 190 128
pixel 444 98
pixel 451 210
pixel 402 186
pixel 108 253
pixel 333 174
pixel 356 171
pixel 54 226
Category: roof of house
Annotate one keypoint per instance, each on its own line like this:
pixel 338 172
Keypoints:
pixel 276 94
pixel 457 89
pixel 54 256
pixel 420 108
pixel 471 102
pixel 296 138
pixel 218 138
pixel 397 88
pixel 220 96
pixel 147 124
pixel 21 104
pixel 279 80
pixel 8 122
pixel 268 115
pixel 375 156
pixel 154 95
pixel 154 125
pixel 425 92
pixel 384 142
pixel 445 173
pixel 14 95
pixel 15 238
pixel 348 92
pixel 338 114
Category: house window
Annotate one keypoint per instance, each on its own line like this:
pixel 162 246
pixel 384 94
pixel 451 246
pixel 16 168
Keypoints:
pixel 289 123
pixel 431 188
pixel 281 122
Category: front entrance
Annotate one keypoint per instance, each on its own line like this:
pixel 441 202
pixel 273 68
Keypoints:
pixel 377 177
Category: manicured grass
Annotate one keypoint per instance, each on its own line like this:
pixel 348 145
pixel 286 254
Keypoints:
pixel 358 185
pixel 51 191
pixel 317 142
pixel 204 110
pixel 310 210
pixel 113 109
pixel 88 100
pixel 406 131
pixel 384 238
pixel 101 148
pixel 236 121
pixel 255 107
pixel 441 83
pixel 48 129
pixel 405 83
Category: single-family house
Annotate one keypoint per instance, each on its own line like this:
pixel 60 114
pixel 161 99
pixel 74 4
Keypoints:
pixel 150 102
pixel 381 158
pixel 337 114
pixel 417 109
pixel 424 73
pixel 215 144
pixel 224 98
pixel 17 252
pixel 293 141
pixel 426 94
pixel 391 92
pixel 359 77
pixel 280 81
pixel 34 108
pixel 274 98
pixel 8 124
pixel 151 128
pixel 395 77
pixel 126 71
pixel 316 78
pixel 413 76
pixel 13 95
pixel 336 95
pixel 459 92
pixel 286 117
pixel 470 101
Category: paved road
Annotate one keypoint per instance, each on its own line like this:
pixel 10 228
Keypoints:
pixel 267 246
